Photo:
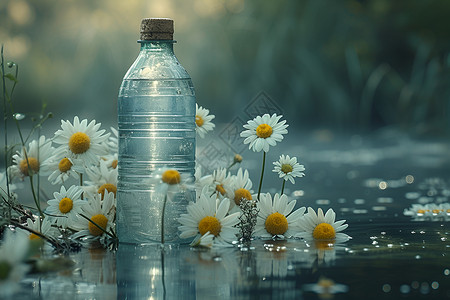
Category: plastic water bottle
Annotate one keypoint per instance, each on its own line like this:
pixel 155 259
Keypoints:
pixel 156 117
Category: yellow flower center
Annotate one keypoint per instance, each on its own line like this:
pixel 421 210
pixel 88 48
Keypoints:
pixel 64 165
pixel 264 131
pixel 199 121
pixel 436 211
pixel 5 269
pixel 286 168
pixel 32 162
pixel 276 223
pixel 65 205
pixel 114 164
pixel 109 187
pixel 324 231
pixel 79 142
pixel 448 210
pixel 220 189
pixel 237 158
pixel 210 224
pixel 101 221
pixel 420 211
pixel 171 177
pixel 33 237
pixel 241 193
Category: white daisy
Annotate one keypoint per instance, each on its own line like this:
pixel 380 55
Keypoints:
pixel 101 210
pixel 101 179
pixel 242 187
pixel 288 168
pixel 203 122
pixel 13 251
pixel 322 227
pixel 44 227
pixel 209 214
pixel 63 209
pixel 276 219
pixel 81 141
pixel 220 183
pixel 61 169
pixel 263 132
pixel 38 152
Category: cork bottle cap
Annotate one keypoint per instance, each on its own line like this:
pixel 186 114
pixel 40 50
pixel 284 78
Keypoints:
pixel 156 29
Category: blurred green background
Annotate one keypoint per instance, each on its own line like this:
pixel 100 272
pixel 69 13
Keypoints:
pixel 344 65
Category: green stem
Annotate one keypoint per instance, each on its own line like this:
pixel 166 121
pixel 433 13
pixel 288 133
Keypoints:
pixel 36 201
pixel 262 174
pixel 282 188
pixel 162 219
pixel 163 273
pixel 5 123
pixel 230 166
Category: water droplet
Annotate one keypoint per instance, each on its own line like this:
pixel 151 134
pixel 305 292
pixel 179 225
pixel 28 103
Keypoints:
pixel 379 208
pixel 404 289
pixel 435 285
pixel 415 285
pixel 417 257
pixel 19 116
pixel 217 258
pixel 386 288
pixel 322 201
pixel 385 200
pixel 360 201
pixel 446 272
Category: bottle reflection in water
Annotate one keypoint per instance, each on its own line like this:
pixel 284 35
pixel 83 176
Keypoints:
pixel 153 272
pixel 156 117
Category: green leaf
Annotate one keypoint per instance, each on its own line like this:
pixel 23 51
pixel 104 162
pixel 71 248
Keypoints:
pixel 11 77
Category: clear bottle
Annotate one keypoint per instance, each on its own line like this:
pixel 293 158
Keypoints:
pixel 156 118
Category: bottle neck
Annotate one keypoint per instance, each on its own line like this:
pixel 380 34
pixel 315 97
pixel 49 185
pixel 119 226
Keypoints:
pixel 157 45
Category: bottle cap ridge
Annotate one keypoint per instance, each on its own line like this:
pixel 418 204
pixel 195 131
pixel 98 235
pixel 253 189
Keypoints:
pixel 156 29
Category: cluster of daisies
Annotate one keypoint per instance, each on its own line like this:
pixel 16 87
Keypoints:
pixel 430 211
pixel 81 159
pixel 213 219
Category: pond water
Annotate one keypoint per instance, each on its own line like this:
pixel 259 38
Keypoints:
pixel 367 181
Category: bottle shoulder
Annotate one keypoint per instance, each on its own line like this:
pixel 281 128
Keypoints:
pixel 156 66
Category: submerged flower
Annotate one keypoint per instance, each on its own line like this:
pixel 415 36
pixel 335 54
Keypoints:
pixel 209 214
pixel 276 219
pixel 100 210
pixel 288 168
pixel 63 209
pixel 263 132
pixel 38 153
pixel 203 122
pixel 13 251
pixel 320 227
pixel 81 141
pixel 170 181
